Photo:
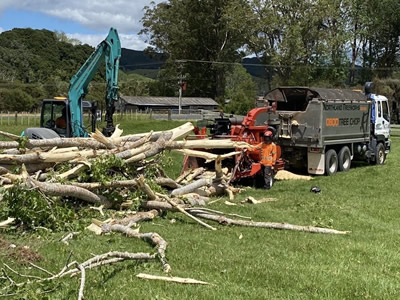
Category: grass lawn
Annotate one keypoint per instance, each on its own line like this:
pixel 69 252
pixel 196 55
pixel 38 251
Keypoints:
pixel 264 263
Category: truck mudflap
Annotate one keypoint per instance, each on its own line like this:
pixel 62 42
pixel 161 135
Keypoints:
pixel 388 146
pixel 316 161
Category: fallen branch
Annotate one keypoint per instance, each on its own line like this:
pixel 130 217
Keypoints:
pixel 227 221
pixel 284 226
pixel 151 237
pixel 172 279
pixel 180 209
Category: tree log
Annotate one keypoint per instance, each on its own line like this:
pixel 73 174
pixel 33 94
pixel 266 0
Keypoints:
pixel 167 182
pixel 156 148
pixel 207 144
pixel 191 187
pixel 63 190
pixel 45 157
pixel 111 184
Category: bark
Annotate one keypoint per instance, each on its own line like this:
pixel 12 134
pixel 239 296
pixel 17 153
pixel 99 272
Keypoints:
pixel 138 217
pixel 146 189
pixel 73 172
pixel 3 170
pixel 31 168
pixel 194 174
pixel 180 209
pixel 178 132
pixel 10 135
pixel 207 144
pixel 191 187
pixel 99 136
pixel 126 150
pixel 48 157
pixel 4 181
pixel 160 205
pixel 206 155
pixel 99 185
pixel 57 142
pixel 183 176
pixel 156 148
pixel 167 182
pixel 63 190
pixel 133 152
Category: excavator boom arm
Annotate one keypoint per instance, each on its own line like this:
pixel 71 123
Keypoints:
pixel 110 50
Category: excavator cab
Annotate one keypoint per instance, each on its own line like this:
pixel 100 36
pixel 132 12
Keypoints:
pixel 55 115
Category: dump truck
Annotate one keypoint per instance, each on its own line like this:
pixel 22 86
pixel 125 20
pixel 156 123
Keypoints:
pixel 326 129
pixel 321 130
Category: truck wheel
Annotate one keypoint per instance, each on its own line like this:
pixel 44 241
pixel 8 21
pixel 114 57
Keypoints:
pixel 380 155
pixel 344 159
pixel 331 162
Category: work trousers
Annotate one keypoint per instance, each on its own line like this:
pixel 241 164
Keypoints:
pixel 268 177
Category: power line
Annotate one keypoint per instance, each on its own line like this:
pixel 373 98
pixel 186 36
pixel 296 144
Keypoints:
pixel 285 66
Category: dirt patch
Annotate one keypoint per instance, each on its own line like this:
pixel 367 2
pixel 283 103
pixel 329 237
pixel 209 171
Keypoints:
pixel 20 254
pixel 286 175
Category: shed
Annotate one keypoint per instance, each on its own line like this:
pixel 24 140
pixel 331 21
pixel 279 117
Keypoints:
pixel 143 103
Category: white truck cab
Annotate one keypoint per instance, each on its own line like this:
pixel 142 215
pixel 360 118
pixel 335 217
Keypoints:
pixel 380 115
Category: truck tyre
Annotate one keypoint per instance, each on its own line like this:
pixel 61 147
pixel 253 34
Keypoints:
pixel 344 159
pixel 380 155
pixel 331 162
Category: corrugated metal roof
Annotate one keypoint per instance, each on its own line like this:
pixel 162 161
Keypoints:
pixel 167 101
pixel 281 94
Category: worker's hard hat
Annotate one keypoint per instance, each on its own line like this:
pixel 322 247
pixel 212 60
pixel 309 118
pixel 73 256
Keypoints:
pixel 268 134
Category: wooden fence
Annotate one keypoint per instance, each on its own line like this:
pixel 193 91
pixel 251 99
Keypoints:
pixel 20 118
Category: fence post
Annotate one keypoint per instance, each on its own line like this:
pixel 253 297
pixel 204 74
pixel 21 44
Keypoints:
pixel 151 113
pixel 16 118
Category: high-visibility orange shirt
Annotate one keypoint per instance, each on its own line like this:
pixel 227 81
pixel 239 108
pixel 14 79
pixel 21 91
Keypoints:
pixel 268 153
pixel 61 123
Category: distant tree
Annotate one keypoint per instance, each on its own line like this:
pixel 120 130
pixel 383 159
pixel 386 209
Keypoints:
pixel 62 37
pixel 15 100
pixel 240 90
pixel 198 31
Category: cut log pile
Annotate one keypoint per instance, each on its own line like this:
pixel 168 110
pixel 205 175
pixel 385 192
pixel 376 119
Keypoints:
pixel 68 168
pixel 41 163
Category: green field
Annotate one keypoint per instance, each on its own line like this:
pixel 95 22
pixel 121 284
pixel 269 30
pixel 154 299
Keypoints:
pixel 264 263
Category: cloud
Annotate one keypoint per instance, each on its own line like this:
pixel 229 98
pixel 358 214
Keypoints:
pixel 129 41
pixel 98 15
pixel 1 30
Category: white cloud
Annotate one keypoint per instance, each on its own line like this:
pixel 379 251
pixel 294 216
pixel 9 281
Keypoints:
pixel 1 30
pixel 129 41
pixel 99 15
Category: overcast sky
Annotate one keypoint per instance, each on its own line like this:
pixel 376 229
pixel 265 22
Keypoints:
pixel 87 21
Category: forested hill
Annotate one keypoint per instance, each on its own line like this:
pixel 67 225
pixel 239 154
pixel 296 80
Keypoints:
pixel 38 64
pixel 39 56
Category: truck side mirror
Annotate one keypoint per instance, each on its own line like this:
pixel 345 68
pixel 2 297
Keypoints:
pixel 368 88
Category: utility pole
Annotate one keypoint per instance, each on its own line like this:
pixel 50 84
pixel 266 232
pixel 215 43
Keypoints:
pixel 180 93
pixel 180 84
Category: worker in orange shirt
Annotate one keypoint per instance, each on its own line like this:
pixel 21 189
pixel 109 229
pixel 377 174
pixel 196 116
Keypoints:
pixel 61 121
pixel 268 154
